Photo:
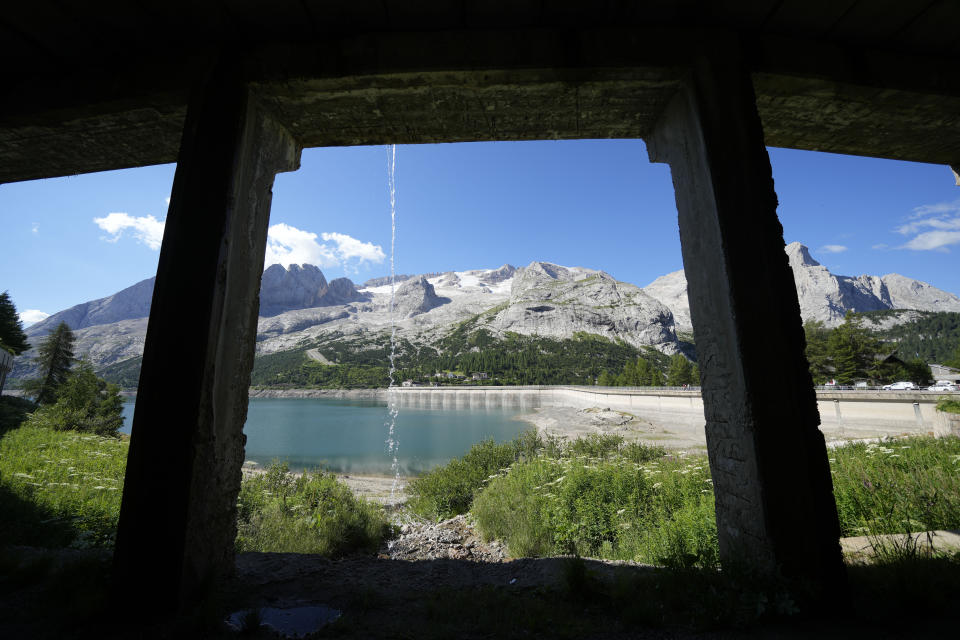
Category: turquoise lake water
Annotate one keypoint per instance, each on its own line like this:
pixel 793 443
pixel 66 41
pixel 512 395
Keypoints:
pixel 349 435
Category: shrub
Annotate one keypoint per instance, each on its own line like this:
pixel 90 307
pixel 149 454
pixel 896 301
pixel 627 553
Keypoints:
pixel 83 403
pixel 448 490
pixel 660 511
pixel 594 445
pixel 307 513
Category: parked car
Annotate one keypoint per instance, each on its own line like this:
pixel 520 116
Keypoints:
pixel 943 385
pixel 902 385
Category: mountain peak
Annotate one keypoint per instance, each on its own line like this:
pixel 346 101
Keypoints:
pixel 800 254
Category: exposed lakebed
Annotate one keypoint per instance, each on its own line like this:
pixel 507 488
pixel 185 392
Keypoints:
pixel 348 435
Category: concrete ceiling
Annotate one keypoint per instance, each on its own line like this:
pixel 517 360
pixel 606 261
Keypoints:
pixel 95 85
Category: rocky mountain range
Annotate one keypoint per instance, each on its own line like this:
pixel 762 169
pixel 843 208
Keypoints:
pixel 824 296
pixel 299 306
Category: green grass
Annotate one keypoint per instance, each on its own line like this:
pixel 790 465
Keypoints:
pixel 598 497
pixel 63 488
pixel 658 511
pixel 60 488
pixel 897 486
pixel 948 405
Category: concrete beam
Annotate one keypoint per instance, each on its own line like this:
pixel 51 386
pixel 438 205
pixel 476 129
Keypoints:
pixel 178 516
pixel 774 500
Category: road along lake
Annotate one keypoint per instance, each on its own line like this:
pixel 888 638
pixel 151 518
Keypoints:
pixel 348 436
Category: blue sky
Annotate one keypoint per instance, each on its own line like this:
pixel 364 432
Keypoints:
pixel 597 204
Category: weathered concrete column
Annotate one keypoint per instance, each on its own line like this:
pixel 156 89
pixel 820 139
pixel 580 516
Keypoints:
pixel 178 517
pixel 774 500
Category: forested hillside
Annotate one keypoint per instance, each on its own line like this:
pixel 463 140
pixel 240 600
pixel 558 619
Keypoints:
pixel 933 337
pixel 515 359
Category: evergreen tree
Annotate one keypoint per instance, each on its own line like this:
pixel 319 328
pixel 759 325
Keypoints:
pixel 680 371
pixel 606 380
pixel 817 354
pixel 656 377
pixel 645 374
pixel 12 337
pixel 852 350
pixel 84 403
pixel 55 359
pixel 954 360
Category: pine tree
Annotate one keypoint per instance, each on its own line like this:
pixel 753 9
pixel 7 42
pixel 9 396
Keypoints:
pixel 55 359
pixel 852 349
pixel 12 337
pixel 84 403
pixel 680 371
pixel 816 336
pixel 656 377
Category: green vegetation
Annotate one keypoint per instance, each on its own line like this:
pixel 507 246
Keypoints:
pixel 600 497
pixel 448 490
pixel 513 360
pixel 948 405
pixel 306 513
pixel 12 337
pixel 522 360
pixel 851 353
pixel 59 488
pixel 932 337
pixel 659 510
pixel 648 371
pixel 125 373
pixel 84 402
pixel 55 359
pixel 897 486
pixel 63 488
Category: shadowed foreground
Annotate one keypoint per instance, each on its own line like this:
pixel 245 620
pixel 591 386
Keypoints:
pixel 62 594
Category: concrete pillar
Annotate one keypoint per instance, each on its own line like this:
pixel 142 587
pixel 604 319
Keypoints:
pixel 178 517
pixel 774 498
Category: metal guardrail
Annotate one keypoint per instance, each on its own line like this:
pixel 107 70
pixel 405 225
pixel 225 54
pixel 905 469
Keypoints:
pixel 847 387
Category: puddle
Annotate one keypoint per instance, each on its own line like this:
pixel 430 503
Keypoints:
pixel 292 622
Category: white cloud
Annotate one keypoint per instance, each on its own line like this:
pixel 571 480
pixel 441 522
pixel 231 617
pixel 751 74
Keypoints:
pixel 934 227
pixel 833 248
pixel 33 316
pixel 881 246
pixel 933 241
pixel 288 245
pixel 349 248
pixel 147 229
pixel 35 227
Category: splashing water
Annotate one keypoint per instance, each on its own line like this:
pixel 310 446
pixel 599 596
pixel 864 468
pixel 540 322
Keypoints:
pixel 393 403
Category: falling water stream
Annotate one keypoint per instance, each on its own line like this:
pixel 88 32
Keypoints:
pixel 393 402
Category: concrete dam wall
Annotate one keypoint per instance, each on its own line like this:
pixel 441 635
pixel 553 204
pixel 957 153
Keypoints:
pixel 843 414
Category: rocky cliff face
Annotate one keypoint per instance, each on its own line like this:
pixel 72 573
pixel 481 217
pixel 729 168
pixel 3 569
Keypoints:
pixel 302 287
pixel 671 290
pixel 824 296
pixel 554 301
pixel 416 296
pixel 114 328
pixel 130 303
